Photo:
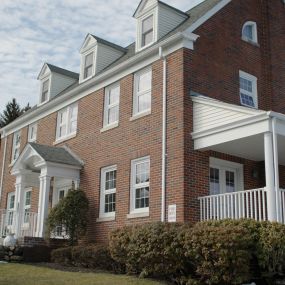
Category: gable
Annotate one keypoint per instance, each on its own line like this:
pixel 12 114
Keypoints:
pixel 45 71
pixel 144 6
pixel 88 43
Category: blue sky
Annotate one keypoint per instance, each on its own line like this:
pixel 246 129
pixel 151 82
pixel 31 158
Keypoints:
pixel 33 32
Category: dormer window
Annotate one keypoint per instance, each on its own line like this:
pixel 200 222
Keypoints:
pixel 45 91
pixel 88 67
pixel 147 31
pixel 249 32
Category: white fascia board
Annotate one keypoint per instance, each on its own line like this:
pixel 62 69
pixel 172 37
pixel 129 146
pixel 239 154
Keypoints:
pixel 227 106
pixel 108 77
pixel 232 126
pixel 208 15
pixel 228 135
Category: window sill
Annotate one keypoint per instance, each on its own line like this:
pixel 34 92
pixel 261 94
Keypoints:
pixel 136 215
pixel 140 115
pixel 65 139
pixel 106 219
pixel 109 127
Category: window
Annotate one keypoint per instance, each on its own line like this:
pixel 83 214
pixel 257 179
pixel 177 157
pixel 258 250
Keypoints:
pixel 248 90
pixel 147 31
pixel 88 66
pixel 45 91
pixel 249 32
pixel 67 122
pixel 11 207
pixel 27 206
pixel 140 185
pixel 111 109
pixel 108 191
pixel 16 146
pixel 142 92
pixel 32 133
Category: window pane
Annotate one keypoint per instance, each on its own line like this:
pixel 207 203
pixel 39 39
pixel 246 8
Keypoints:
pixel 113 114
pixel 114 95
pixel 144 102
pixel 110 203
pixel 247 100
pixel 144 82
pixel 45 90
pixel 246 84
pixel 214 181
pixel 142 172
pixel 89 59
pixel 28 198
pixel 248 32
pixel 12 202
pixel 142 198
pixel 230 181
pixel 147 38
pixel 147 24
pixel 111 180
pixel 88 65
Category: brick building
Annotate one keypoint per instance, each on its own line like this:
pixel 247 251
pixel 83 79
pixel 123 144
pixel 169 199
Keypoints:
pixel 184 124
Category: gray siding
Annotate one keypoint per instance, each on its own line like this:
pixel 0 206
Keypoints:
pixel 105 56
pixel 168 20
pixel 59 83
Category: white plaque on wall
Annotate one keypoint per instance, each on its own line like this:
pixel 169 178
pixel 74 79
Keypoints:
pixel 172 213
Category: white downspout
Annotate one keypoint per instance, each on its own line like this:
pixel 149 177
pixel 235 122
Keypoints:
pixel 3 166
pixel 164 130
pixel 276 166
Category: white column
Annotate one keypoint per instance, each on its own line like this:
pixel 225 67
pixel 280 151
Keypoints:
pixel 269 174
pixel 19 205
pixel 76 184
pixel 43 204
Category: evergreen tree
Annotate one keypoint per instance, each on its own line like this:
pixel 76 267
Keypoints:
pixel 12 112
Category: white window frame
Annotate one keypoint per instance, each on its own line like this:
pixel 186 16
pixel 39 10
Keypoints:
pixel 27 207
pixel 137 93
pixel 68 122
pixel 48 78
pixel 104 192
pixel 83 58
pixel 108 106
pixel 10 211
pixel 32 132
pixel 254 93
pixel 16 146
pixel 134 186
pixel 223 166
pixel 254 32
pixel 153 13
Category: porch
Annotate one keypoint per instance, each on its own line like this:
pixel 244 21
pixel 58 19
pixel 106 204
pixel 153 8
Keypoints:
pixel 245 133
pixel 44 175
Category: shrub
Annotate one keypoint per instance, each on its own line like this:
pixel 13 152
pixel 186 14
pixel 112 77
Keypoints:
pixel 62 255
pixel 93 256
pixel 221 251
pixel 271 250
pixel 37 253
pixel 149 250
pixel 72 214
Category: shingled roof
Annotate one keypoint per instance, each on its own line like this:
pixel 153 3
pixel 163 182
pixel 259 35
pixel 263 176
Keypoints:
pixel 62 71
pixel 55 154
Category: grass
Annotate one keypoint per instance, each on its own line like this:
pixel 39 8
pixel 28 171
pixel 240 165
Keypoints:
pixel 20 274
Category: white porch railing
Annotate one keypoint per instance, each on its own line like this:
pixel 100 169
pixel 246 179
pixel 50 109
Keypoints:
pixel 281 206
pixel 250 204
pixel 21 224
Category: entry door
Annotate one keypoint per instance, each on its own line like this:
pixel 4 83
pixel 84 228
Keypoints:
pixel 222 180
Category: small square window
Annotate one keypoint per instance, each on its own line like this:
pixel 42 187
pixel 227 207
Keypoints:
pixel 249 32
pixel 32 133
pixel 88 66
pixel 45 91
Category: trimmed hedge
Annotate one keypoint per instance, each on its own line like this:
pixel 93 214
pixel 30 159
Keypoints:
pixel 216 252
pixel 91 256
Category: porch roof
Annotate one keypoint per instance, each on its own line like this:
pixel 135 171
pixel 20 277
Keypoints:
pixel 233 129
pixel 56 154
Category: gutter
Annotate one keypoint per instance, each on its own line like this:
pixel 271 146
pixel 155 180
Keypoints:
pixel 164 131
pixel 90 86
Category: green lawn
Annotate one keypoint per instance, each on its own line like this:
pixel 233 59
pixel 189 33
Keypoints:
pixel 18 274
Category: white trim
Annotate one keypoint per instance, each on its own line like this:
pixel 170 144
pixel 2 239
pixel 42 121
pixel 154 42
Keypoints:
pixel 104 192
pixel 43 80
pixel 33 129
pixel 139 61
pixel 3 167
pixel 254 93
pixel 140 115
pixel 133 209
pixel 26 207
pixel 94 50
pixel 208 15
pixel 107 106
pixel 137 93
pixel 254 40
pixel 138 215
pixel 109 127
pixel 67 122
